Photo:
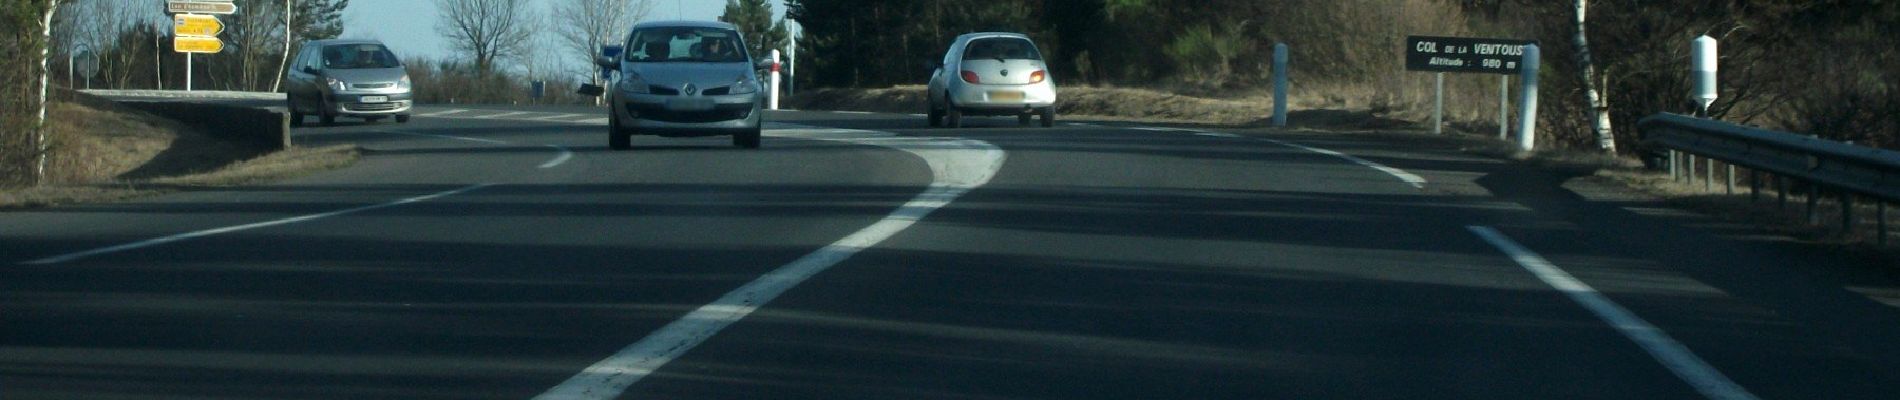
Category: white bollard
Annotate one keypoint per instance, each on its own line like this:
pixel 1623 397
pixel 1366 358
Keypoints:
pixel 1279 84
pixel 771 97
pixel 1527 101
pixel 1702 55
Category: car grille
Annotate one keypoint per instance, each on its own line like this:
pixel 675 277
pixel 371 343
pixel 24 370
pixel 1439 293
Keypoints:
pixel 373 85
pixel 390 106
pixel 718 91
pixel 663 91
pixel 722 112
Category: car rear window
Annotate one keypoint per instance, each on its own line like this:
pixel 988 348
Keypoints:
pixel 1001 49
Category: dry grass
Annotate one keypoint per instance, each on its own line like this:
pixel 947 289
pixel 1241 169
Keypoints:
pixel 103 152
pixel 1250 108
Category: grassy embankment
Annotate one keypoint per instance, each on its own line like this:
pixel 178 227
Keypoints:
pixel 101 151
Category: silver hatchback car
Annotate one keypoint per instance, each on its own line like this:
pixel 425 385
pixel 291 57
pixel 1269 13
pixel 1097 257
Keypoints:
pixel 992 74
pixel 682 79
pixel 354 78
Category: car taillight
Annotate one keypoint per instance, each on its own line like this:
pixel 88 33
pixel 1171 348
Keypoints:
pixel 970 76
pixel 1037 77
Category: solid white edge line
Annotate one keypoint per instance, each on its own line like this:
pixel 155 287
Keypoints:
pixel 1217 134
pixel 1415 180
pixel 559 159
pixel 501 115
pixel 209 232
pixel 952 177
pixel 1673 355
pixel 462 138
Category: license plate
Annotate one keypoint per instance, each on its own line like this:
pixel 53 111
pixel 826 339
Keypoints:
pixel 689 104
pixel 375 99
pixel 1006 96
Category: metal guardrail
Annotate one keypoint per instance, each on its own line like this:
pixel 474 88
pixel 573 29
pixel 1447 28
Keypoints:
pixel 1839 167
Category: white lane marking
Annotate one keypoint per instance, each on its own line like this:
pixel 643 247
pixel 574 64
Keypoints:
pixel 1685 364
pixel 442 113
pixel 502 115
pixel 1084 124
pixel 556 116
pixel 558 160
pixel 1415 180
pixel 596 121
pixel 462 138
pixel 1144 128
pixel 920 115
pixel 1217 134
pixel 209 232
pixel 854 112
pixel 957 166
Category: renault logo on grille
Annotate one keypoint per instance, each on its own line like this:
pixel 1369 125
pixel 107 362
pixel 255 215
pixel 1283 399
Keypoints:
pixel 1006 72
pixel 690 90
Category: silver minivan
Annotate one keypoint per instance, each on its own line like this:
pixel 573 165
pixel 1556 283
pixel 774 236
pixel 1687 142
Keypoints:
pixel 683 79
pixel 347 78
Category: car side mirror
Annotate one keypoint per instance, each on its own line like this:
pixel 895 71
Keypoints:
pixel 607 62
pixel 310 70
pixel 591 90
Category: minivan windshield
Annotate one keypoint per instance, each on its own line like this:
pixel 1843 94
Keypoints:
pixel 1001 49
pixel 359 56
pixel 685 44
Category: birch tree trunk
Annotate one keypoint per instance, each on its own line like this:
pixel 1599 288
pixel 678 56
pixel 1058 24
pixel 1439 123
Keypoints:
pixel 1599 104
pixel 277 83
pixel 39 129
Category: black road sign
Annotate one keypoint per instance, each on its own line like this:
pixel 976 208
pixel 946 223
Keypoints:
pixel 1454 54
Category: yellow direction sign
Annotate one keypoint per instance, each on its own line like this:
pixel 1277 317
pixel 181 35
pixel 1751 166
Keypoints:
pixel 196 25
pixel 193 44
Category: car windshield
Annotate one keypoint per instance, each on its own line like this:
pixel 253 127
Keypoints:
pixel 1001 49
pixel 685 44
pixel 359 56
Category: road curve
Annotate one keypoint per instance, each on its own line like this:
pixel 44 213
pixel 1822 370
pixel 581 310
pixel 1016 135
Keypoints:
pixel 505 253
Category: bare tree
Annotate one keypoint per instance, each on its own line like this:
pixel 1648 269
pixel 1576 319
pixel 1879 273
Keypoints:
pixel 39 125
pixel 586 25
pixel 487 30
pixel 1599 104
pixel 253 32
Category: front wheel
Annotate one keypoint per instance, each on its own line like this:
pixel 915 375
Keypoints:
pixel 617 138
pixel 936 116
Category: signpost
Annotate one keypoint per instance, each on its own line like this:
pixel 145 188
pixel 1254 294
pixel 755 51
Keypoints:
pixel 1441 54
pixel 196 33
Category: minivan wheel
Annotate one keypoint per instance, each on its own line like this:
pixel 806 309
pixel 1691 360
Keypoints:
pixel 936 116
pixel 747 139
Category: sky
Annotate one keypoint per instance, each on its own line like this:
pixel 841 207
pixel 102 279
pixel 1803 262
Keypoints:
pixel 408 26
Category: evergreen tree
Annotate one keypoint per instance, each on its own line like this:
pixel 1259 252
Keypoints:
pixel 754 19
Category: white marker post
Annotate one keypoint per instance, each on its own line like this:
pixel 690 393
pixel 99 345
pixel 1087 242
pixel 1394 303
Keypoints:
pixel 771 98
pixel 1279 84
pixel 1703 56
pixel 1438 105
pixel 1504 107
pixel 1527 101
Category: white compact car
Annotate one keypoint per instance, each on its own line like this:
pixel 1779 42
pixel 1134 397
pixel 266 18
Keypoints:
pixel 992 74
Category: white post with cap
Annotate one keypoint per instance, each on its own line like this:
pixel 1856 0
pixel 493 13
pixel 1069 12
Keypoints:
pixel 771 97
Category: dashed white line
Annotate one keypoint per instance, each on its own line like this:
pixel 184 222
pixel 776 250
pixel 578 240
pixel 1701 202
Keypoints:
pixel 1217 134
pixel 854 112
pixel 1673 355
pixel 461 138
pixel 957 166
pixel 442 113
pixel 502 115
pixel 595 121
pixel 1415 180
pixel 209 232
pixel 556 116
pixel 559 159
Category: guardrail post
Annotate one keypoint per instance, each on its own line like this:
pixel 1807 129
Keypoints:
pixel 1814 200
pixel 1847 212
pixel 1690 168
pixel 1675 166
pixel 1754 186
pixel 1731 178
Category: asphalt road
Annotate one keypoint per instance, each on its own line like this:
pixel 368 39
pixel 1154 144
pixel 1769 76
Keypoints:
pixel 504 253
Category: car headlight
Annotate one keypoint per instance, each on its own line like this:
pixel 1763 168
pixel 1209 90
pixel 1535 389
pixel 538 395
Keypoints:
pixel 634 85
pixel 745 87
pixel 404 83
pixel 336 85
